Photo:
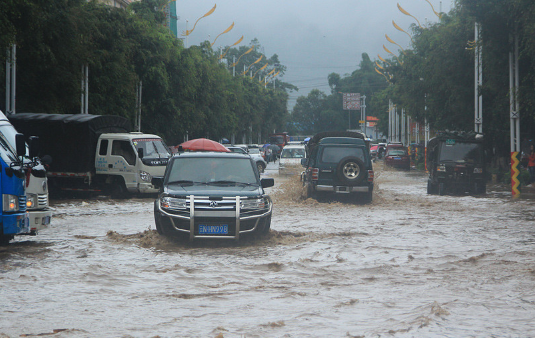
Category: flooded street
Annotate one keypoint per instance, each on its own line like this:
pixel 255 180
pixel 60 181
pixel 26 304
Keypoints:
pixel 407 265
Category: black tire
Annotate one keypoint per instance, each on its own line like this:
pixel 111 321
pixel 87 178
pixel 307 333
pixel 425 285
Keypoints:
pixel 309 190
pixel 4 239
pixel 264 229
pixel 118 190
pixel 431 188
pixel 351 170
pixel 158 221
pixel 441 189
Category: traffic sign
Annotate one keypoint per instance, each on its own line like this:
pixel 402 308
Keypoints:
pixel 351 101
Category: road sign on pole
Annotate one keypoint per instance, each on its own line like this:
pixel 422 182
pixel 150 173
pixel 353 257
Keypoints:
pixel 351 101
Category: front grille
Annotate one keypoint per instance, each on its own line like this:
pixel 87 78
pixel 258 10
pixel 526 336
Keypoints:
pixel 42 200
pixel 22 203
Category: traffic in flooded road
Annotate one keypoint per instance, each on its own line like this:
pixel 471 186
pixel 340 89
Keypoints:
pixel 408 264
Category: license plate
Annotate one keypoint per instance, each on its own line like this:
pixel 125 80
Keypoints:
pixel 46 220
pixel 397 158
pixel 213 229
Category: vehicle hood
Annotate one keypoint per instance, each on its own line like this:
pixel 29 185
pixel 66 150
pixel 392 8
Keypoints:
pixel 213 190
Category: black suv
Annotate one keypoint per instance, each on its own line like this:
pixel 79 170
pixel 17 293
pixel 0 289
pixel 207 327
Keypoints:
pixel 338 162
pixel 212 195
pixel 456 163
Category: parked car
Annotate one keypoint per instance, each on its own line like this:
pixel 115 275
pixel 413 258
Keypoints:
pixel 290 161
pixel 261 164
pixel 398 157
pixel 339 163
pixel 212 195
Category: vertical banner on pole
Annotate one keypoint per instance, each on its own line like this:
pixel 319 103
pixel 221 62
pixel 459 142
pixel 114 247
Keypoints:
pixel 515 183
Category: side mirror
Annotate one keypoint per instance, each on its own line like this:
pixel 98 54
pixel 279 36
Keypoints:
pixel 20 144
pixel 157 181
pixel 33 144
pixel 140 153
pixel 304 162
pixel 267 182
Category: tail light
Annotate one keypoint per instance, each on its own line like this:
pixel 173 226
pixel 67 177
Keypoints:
pixel 315 174
pixel 370 175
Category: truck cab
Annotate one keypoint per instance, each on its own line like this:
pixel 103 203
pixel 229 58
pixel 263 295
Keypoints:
pixel 13 216
pixel 456 163
pixel 36 182
pixel 128 161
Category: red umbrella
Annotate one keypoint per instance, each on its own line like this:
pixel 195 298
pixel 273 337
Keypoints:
pixel 203 144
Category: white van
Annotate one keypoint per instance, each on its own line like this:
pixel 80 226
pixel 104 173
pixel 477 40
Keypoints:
pixel 290 160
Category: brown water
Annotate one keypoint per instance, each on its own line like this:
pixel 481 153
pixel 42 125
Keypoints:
pixel 407 265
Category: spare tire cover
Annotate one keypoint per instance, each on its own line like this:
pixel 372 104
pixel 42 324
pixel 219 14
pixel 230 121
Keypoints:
pixel 351 170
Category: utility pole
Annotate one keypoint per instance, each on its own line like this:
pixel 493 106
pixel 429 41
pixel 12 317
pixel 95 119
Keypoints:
pixel 11 79
pixel 478 67
pixel 514 109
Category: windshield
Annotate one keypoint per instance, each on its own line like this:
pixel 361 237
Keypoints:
pixel 335 154
pixel 461 152
pixel 153 147
pixel 293 153
pixel 211 170
pixel 254 151
pixel 6 150
pixel 397 152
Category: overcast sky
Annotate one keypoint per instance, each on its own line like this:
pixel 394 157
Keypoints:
pixel 312 38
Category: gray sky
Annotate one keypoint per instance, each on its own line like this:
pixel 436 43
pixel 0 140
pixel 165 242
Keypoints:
pixel 312 38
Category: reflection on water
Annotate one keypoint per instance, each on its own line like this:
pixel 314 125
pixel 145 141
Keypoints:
pixel 406 265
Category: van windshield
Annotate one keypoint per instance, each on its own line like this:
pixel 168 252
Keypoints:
pixel 152 147
pixel 461 152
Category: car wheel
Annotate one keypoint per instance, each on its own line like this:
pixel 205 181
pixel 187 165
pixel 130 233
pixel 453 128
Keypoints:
pixel 264 229
pixel 441 189
pixel 351 170
pixel 158 222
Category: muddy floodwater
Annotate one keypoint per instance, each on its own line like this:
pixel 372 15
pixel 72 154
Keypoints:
pixel 406 265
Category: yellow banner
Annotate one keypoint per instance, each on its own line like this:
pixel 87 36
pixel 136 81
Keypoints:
pixel 247 52
pixel 188 32
pixel 226 31
pixel 235 43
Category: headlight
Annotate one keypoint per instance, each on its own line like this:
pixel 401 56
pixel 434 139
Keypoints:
pixel 441 167
pixel 31 201
pixel 173 203
pixel 10 203
pixel 258 203
pixel 145 176
pixel 478 170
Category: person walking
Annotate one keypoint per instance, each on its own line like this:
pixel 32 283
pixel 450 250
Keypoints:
pixel 531 164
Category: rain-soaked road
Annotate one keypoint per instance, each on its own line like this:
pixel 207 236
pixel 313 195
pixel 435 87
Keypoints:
pixel 408 265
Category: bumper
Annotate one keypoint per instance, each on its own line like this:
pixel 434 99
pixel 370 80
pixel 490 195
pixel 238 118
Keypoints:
pixel 15 224
pixel 39 220
pixel 146 188
pixel 343 189
pixel 189 223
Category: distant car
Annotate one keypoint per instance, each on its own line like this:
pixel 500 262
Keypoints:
pixel 373 151
pixel 290 161
pixel 261 164
pixel 212 195
pixel 398 157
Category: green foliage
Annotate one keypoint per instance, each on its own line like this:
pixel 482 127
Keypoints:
pixel 320 112
pixel 184 90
